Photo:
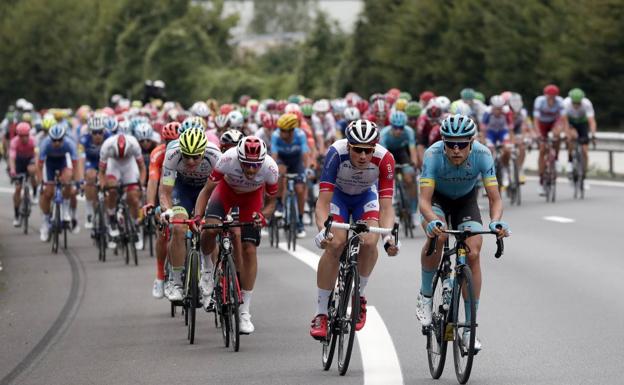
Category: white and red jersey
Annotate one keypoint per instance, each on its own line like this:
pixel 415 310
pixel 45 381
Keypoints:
pixel 228 168
pixel 340 173
pixel 111 150
pixel 174 167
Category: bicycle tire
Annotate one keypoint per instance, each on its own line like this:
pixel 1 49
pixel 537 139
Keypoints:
pixel 271 232
pixel 329 342
pixel 463 357
pixel 233 303
pixel 192 300
pixel 405 214
pixel 55 228
pixel 436 343
pixel 132 235
pixel 350 295
pixel 64 225
pixel 25 211
pixel 293 221
pixel 102 233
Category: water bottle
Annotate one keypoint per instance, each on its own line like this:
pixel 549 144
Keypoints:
pixel 446 293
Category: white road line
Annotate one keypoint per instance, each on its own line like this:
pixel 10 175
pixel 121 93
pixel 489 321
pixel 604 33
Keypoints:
pixel 9 190
pixel 555 218
pixel 379 359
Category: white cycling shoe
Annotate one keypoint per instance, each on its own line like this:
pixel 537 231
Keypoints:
pixel 245 325
pixel 158 290
pixel 44 232
pixel 173 291
pixel 206 284
pixel 423 309
pixel 17 222
pixel 466 342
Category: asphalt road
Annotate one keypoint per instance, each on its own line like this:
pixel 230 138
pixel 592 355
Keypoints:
pixel 550 313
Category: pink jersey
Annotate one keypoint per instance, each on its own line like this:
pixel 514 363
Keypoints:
pixel 22 150
pixel 228 168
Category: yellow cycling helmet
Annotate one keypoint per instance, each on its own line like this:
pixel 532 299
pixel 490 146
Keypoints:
pixel 48 121
pixel 193 142
pixel 288 122
pixel 400 104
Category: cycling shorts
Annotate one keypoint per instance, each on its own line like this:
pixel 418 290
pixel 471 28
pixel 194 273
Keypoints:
pixel 184 196
pixel 364 206
pixel 293 166
pixel 125 171
pixel 494 137
pixel 89 165
pixel 546 127
pixel 463 211
pixel 583 131
pixel 51 166
pixel 401 155
pixel 224 198
pixel 22 163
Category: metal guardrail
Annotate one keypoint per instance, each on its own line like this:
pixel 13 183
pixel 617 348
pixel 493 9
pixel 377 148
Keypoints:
pixel 609 142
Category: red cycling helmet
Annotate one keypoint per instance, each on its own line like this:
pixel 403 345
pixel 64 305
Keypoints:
pixel 108 111
pixel 269 121
pixel 170 131
pixel 362 105
pixel 22 129
pixel 251 149
pixel 425 97
pixel 280 106
pixel 551 90
pixel 226 109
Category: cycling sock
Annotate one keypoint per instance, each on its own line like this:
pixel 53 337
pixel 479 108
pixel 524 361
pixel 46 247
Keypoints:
pixel 47 218
pixel 467 309
pixel 16 211
pixel 246 294
pixel 426 277
pixel 363 283
pixel 160 269
pixel 207 265
pixel 176 275
pixel 89 209
pixel 322 301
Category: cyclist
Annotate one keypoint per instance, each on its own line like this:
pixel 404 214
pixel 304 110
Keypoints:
pixel 157 158
pixel 57 152
pixel 268 123
pixel 548 115
pixel 21 162
pixel 357 183
pixel 323 124
pixel 496 126
pixel 229 139
pixel 243 176
pixel 400 140
pixel 148 139
pixel 186 168
pixel 89 149
pixel 289 149
pixel 448 186
pixel 580 114
pixel 121 161
pixel 428 128
pixel 521 129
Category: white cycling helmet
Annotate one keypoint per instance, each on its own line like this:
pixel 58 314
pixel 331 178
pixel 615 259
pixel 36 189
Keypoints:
pixel 236 119
pixel 362 131
pixel 497 101
pixel 515 102
pixel 444 103
pixel 321 106
pixel 200 109
pixel 292 107
pixel 144 131
pixel 351 114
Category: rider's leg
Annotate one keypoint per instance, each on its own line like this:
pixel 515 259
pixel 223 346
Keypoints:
pixel 90 191
pixel 327 270
pixel 409 178
pixel 301 199
pixel 474 245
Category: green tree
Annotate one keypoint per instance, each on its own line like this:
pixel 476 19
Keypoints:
pixel 278 16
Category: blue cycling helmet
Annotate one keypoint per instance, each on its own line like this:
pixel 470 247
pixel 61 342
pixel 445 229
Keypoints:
pixel 457 126
pixel 189 123
pixel 111 124
pixel 398 119
pixel 57 131
pixel 143 131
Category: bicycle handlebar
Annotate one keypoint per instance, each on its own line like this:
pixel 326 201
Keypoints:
pixel 500 246
pixel 361 227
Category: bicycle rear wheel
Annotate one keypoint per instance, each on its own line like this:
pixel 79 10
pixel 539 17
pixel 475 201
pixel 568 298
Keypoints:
pixel 192 293
pixel 293 220
pixel 348 314
pixel 132 236
pixel 55 228
pixel 233 303
pixel 463 355
pixel 25 211
pixel 436 341
pixel 101 233
pixel 329 342
pixel 404 211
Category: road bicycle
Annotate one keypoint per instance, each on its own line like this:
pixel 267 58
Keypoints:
pixel 452 291
pixel 149 230
pixel 128 231
pixel 513 190
pixel 344 301
pixel 291 211
pixel 99 232
pixel 578 170
pixel 59 224
pixel 26 201
pixel 550 169
pixel 402 201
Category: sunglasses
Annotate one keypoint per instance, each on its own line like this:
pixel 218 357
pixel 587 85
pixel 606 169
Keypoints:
pixel 460 145
pixel 397 127
pixel 252 165
pixel 365 150
pixel 97 132
pixel 194 157
pixel 57 140
pixel 149 141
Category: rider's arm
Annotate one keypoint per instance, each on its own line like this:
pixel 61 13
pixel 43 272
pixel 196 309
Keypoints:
pixel 165 192
pixel 12 155
pixel 142 173
pixel 427 186
pixel 496 203
pixel 386 212
pixel 322 208
pixel 204 195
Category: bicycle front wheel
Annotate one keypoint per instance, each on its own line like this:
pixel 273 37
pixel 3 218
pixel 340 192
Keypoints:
pixel 348 314
pixel 329 342
pixel 293 220
pixel 133 235
pixel 436 341
pixel 462 354
pixel 25 211
pixel 55 228
pixel 192 293
pixel 233 302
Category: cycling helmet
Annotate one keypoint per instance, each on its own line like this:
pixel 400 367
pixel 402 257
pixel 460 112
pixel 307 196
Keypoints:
pixel 457 126
pixel 551 90
pixel 236 119
pixel 460 107
pixel 378 106
pixel 467 94
pixel 294 99
pixel 280 106
pixel 405 95
pixel 292 107
pixel 48 122
pixel 479 96
pixel 170 131
pixel 243 99
pixel 26 117
pixel 497 101
pixel 22 129
pixel 398 119
pixel 515 102
pixel 144 131
pixel 376 96
pixel 338 106
pixel 226 109
pixel 57 131
pixel 252 104
pixel 425 97
pixel 200 109
pixel 269 121
pixel 307 110
pixel 576 94
pixel 321 106
pixel 413 109
pixel 433 110
pixel 191 122
pixel 288 122
pixel 221 121
pixel 118 126
pixel 245 112
pixel 444 103
pixel 251 149
pixel 505 95
pixel 362 105
pixel 362 131
pixel 193 141
pixel 351 114
pixel 231 138
pixel 400 104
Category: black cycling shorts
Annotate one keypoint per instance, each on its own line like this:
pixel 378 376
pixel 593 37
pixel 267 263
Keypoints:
pixel 461 210
pixel 583 132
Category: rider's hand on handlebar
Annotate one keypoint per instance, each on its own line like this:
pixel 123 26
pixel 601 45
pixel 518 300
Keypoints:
pixel 147 209
pixel 390 247
pixel 434 228
pixel 259 220
pixel 195 225
pixel 166 215
pixel 321 241
pixel 502 228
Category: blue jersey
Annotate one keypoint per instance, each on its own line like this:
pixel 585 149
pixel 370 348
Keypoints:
pixel 393 143
pixel 456 181
pixel 545 113
pixel 289 151
pixel 90 150
pixel 48 152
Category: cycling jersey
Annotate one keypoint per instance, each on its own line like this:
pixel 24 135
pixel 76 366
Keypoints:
pixel 22 153
pixel 578 115
pixel 339 172
pixel 545 113
pixel 157 158
pixel 457 181
pixel 57 159
pixel 176 172
pixel 324 126
pixel 518 120
pixel 289 151
pixel 497 123
pixel 392 142
pixel 428 131
pixel 121 168
pixel 228 168
pixel 90 151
